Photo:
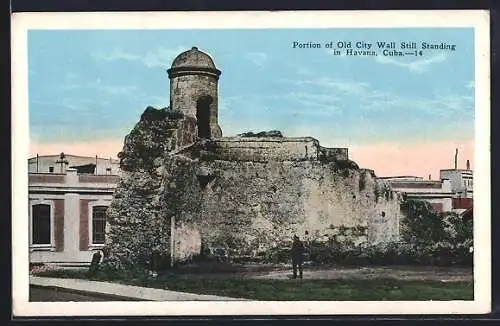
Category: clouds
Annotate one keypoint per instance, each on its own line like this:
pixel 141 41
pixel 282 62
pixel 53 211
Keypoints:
pixel 159 57
pixel 98 87
pixel 257 58
pixel 118 89
pixel 368 97
pixel 95 98
pixel 116 54
pixel 85 109
pixel 285 104
pixel 416 66
pixel 353 111
pixel 314 99
pixel 103 81
pixel 347 87
pixel 335 94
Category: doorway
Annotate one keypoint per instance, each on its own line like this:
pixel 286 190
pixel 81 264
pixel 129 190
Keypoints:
pixel 203 116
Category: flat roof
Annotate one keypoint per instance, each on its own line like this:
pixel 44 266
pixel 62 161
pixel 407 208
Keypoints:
pixel 418 181
pixel 75 156
pixel 399 176
pixel 458 170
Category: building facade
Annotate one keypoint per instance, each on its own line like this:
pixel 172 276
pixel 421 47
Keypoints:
pixel 67 211
pixel 436 192
pixel 83 164
pixel 452 193
pixel 461 181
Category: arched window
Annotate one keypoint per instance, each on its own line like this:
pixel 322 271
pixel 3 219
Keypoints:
pixel 98 224
pixel 41 224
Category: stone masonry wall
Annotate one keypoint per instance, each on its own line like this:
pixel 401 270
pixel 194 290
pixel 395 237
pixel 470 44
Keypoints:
pixel 185 90
pixel 222 201
pixel 265 149
pixel 333 154
pixel 247 208
pixel 138 226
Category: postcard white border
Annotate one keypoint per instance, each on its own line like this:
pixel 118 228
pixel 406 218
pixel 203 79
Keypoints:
pixel 22 22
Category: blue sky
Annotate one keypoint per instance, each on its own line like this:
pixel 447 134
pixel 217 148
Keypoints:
pixel 87 85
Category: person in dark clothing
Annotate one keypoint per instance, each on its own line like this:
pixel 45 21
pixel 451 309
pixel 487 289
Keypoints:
pixel 297 256
pixel 94 264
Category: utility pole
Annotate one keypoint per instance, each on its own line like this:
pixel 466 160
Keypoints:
pixel 456 158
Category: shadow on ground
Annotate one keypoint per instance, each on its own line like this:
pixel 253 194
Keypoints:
pixel 284 271
pixel 52 294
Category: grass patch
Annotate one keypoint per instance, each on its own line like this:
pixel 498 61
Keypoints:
pixel 293 290
pixel 323 290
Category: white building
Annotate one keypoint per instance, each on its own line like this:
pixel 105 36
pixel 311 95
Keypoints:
pixel 461 181
pixel 462 186
pixel 60 162
pixel 67 220
pixel 453 192
pixel 438 193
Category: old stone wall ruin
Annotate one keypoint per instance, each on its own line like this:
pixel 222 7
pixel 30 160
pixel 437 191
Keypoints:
pixel 186 191
pixel 239 196
pixel 265 149
pixel 247 208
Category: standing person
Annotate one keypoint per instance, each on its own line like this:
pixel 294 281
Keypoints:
pixel 94 264
pixel 297 256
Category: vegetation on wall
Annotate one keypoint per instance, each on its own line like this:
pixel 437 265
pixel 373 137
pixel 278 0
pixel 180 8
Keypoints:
pixel 270 133
pixel 138 228
pixel 146 142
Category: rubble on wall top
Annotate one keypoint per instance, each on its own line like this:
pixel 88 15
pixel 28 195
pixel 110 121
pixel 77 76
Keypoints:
pixel 265 139
pixel 270 133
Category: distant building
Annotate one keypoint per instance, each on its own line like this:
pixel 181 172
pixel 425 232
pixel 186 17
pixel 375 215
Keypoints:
pixel 437 193
pixel 60 162
pixel 461 181
pixel 452 193
pixel 462 186
pixel 68 199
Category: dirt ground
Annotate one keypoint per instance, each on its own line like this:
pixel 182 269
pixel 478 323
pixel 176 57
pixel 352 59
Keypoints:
pixel 400 273
pixel 257 271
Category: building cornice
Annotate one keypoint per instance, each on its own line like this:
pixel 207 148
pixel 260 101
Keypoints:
pixel 429 195
pixel 35 189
